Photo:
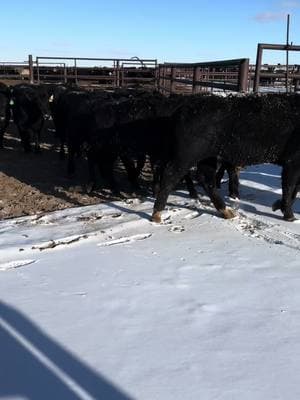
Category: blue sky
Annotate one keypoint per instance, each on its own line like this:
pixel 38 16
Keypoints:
pixel 187 31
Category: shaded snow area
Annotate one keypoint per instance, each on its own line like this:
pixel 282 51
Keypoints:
pixel 100 303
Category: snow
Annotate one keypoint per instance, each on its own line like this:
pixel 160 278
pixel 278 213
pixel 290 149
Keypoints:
pixel 100 303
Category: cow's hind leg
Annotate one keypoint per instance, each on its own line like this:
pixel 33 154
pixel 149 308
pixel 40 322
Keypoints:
pixel 190 186
pixel 220 174
pixel 132 172
pixel 290 187
pixel 233 184
pixel 208 171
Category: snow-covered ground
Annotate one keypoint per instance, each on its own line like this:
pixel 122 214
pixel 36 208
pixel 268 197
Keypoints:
pixel 100 303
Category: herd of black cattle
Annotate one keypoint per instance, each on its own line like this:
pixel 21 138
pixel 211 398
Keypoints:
pixel 176 133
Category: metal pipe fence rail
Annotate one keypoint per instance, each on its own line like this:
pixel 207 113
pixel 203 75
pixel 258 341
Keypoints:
pixel 119 72
pixel 108 72
pixel 190 78
pixel 287 74
pixel 233 75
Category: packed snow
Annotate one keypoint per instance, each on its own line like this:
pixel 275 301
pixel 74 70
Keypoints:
pixel 100 303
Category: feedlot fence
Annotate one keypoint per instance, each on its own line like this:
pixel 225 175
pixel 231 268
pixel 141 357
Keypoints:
pixel 103 72
pixel 186 78
pixel 190 78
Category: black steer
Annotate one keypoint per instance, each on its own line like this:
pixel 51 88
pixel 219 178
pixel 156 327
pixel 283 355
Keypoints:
pixel 241 131
pixel 29 108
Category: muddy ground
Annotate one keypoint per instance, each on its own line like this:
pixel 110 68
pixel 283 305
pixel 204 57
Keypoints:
pixel 37 183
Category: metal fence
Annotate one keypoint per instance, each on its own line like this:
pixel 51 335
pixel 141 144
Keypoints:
pixel 286 75
pixel 188 78
pixel 108 72
pixel 227 75
pixel 117 72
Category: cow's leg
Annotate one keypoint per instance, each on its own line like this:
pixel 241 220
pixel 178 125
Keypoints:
pixel 277 205
pixel 62 150
pixel 141 161
pixel 132 172
pixel 219 174
pixel 170 177
pixel 92 173
pixel 290 186
pixel 71 156
pixel 106 168
pixel 209 185
pixel 157 170
pixel 36 138
pixel 25 140
pixel 233 184
pixel 36 131
pixel 190 186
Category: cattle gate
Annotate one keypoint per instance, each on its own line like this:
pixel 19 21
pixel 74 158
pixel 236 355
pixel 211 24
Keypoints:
pixel 106 72
pixel 186 78
pixel 192 77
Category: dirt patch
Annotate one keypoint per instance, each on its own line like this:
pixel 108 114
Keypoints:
pixel 36 183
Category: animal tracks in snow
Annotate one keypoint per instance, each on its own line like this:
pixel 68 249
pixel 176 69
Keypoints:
pixel 177 228
pixel 15 264
pixel 125 239
pixel 271 233
pixel 48 219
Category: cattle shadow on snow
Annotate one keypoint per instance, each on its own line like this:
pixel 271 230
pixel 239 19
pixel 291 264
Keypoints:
pixel 35 367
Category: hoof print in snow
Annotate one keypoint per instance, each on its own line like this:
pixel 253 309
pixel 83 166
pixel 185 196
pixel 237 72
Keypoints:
pixel 177 229
pixel 125 239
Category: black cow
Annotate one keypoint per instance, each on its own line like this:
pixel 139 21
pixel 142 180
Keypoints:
pixel 125 124
pixel 30 108
pixel 242 131
pixel 134 140
pixel 4 110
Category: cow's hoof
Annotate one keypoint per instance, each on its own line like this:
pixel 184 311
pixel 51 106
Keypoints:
pixel 290 218
pixel 156 217
pixel 228 213
pixel 91 187
pixel 276 205
pixel 193 194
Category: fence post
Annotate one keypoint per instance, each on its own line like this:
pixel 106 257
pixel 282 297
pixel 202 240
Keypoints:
pixel 243 75
pixel 75 70
pixel 65 73
pixel 196 75
pixel 173 76
pixel 257 68
pixel 30 63
pixel 163 79
pixel 118 73
pixel 158 78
